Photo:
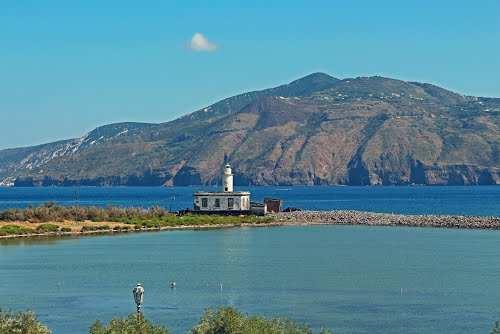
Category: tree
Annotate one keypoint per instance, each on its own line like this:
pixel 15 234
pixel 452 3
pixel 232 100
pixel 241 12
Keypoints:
pixel 133 324
pixel 227 320
pixel 21 323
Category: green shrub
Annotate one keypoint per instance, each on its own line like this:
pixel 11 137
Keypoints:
pixel 151 224
pixel 134 324
pixel 65 229
pixel 47 228
pixel 87 228
pixel 21 323
pixel 496 329
pixel 15 229
pixel 227 320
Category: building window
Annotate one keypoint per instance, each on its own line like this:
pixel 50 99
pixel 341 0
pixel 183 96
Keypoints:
pixel 217 202
pixel 204 202
pixel 230 203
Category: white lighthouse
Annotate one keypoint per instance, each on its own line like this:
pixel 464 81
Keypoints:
pixel 226 201
pixel 227 179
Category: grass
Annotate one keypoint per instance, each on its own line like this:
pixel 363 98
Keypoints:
pixel 41 219
pixel 193 220
pixel 95 228
pixel 44 228
pixel 15 230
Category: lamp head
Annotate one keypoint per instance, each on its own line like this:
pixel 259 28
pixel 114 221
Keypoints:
pixel 138 293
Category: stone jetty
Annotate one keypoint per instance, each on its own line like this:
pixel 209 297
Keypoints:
pixel 384 219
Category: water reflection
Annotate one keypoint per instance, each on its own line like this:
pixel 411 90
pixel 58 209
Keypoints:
pixel 34 240
pixel 47 240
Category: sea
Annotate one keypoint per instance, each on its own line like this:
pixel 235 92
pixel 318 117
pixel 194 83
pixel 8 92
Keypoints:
pixel 352 279
pixel 480 200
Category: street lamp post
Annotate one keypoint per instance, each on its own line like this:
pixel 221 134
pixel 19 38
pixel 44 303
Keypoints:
pixel 138 293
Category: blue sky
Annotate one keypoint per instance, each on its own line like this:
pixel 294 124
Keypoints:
pixel 69 66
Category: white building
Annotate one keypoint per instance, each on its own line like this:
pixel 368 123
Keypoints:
pixel 227 201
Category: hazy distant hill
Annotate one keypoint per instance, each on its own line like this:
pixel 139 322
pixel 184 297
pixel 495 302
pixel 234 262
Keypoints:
pixel 316 130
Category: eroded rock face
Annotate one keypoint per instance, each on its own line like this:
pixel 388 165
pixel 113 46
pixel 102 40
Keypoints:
pixel 459 175
pixel 317 130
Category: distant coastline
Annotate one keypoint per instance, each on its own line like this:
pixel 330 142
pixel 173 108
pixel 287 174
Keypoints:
pixel 316 130
pixel 298 218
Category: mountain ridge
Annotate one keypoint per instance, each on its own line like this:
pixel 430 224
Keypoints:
pixel 315 130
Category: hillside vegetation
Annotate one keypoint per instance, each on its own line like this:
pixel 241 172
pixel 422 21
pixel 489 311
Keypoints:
pixel 315 130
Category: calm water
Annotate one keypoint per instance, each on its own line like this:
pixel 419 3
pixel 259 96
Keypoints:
pixel 353 279
pixel 443 200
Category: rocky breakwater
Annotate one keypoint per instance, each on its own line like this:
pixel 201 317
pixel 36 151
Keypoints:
pixel 385 219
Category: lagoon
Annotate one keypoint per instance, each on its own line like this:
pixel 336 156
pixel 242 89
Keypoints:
pixel 353 279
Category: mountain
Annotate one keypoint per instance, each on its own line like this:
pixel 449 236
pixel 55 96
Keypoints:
pixel 315 130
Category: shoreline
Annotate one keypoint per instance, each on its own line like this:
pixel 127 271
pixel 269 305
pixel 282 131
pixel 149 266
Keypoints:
pixel 297 218
pixel 364 218
pixel 153 229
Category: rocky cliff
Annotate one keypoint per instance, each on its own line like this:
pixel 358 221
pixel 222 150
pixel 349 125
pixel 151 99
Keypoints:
pixel 315 130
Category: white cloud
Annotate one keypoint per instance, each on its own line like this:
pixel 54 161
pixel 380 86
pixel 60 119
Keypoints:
pixel 201 44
